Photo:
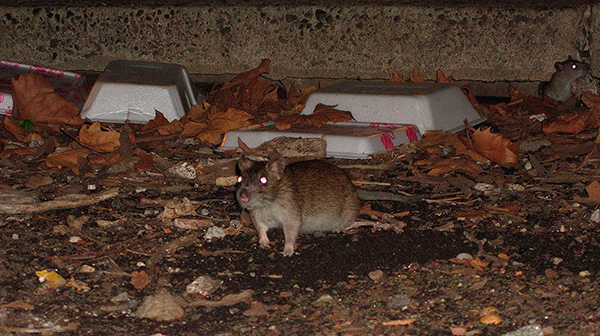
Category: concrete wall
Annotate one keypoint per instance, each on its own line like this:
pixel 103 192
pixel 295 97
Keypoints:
pixel 504 41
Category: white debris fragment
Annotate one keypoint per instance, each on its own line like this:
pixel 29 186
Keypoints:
pixel 595 217
pixel 184 170
pixel 539 117
pixel 530 330
pixel 464 256
pixel 483 187
pixel 203 285
pixel 214 232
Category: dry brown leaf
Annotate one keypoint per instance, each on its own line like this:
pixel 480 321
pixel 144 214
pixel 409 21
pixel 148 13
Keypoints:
pixel 593 191
pixel 399 322
pixel 18 305
pixel 35 99
pixel 495 147
pixel 12 127
pixel 139 280
pixel 199 111
pixel 396 78
pixel 211 136
pixel 173 127
pixel 245 77
pixel 192 128
pixel 415 78
pixel 67 159
pixel 94 138
pixel 230 119
pixel 441 78
pixel 591 100
pixel 158 121
pixel 573 124
pixel 444 166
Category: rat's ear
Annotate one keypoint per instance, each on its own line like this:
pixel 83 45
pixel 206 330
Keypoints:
pixel 244 163
pixel 276 165
pixel 559 66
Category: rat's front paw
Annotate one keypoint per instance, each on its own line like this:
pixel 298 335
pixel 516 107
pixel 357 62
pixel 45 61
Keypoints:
pixel 264 243
pixel 288 251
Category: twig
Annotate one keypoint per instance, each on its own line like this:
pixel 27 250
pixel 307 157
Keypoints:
pixel 79 201
pixel 45 331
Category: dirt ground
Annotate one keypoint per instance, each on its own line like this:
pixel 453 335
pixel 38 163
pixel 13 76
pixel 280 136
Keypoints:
pixel 500 249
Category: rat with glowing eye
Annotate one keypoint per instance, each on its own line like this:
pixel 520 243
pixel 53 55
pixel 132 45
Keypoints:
pixel 567 80
pixel 301 197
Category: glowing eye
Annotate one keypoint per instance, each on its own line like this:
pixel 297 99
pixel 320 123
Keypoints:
pixel 263 180
pixel 574 66
pixel 239 179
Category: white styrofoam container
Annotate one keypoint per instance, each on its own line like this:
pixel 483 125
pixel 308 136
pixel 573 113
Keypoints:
pixel 429 106
pixel 134 90
pixel 6 103
pixel 352 140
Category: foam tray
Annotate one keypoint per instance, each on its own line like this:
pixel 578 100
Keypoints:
pixel 345 140
pixel 134 90
pixel 428 106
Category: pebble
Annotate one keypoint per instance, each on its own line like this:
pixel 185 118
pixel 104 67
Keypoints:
pixel 530 330
pixel 464 256
pixel 214 232
pixel 595 217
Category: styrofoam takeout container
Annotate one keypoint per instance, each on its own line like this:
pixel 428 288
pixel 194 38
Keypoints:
pixel 135 90
pixel 346 140
pixel 72 86
pixel 386 114
pixel 429 106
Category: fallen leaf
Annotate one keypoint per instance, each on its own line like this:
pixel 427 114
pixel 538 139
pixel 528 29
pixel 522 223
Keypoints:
pixel 174 127
pixel 399 322
pixel 67 159
pixel 18 305
pixel 158 121
pixel 12 127
pixel 415 78
pixel 192 129
pixel 573 124
pixel 211 136
pixel 230 119
pixel 441 78
pixel 96 139
pixel 77 285
pixel 139 280
pixel 495 147
pixel 593 191
pixel 256 309
pixel 199 111
pixel 35 100
pixel 396 78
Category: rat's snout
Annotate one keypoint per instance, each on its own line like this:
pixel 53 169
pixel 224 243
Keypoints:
pixel 243 196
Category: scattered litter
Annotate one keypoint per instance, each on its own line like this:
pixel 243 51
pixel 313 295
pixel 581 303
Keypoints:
pixel 184 170
pixel 376 276
pixel 203 285
pixel 69 85
pixel 324 298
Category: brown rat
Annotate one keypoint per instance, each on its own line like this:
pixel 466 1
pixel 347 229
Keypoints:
pixel 301 197
pixel 563 83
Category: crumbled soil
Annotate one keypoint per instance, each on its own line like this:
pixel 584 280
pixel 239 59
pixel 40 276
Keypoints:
pixel 535 253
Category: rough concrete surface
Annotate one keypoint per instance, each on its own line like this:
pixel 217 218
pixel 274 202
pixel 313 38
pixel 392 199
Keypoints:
pixel 471 40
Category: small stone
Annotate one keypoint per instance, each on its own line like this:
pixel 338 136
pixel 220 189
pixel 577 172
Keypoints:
pixel 515 187
pixel 556 260
pixel 160 307
pixel 400 301
pixel 464 256
pixel 91 187
pixel 483 187
pixel 530 330
pixel 214 232
pixel 324 298
pixel 87 269
pixel 15 236
pixel 75 239
pixel 584 274
pixel 595 217
pixel 204 212
pixel 376 275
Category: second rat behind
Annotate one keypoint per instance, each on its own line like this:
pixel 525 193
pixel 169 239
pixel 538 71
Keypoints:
pixel 301 197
